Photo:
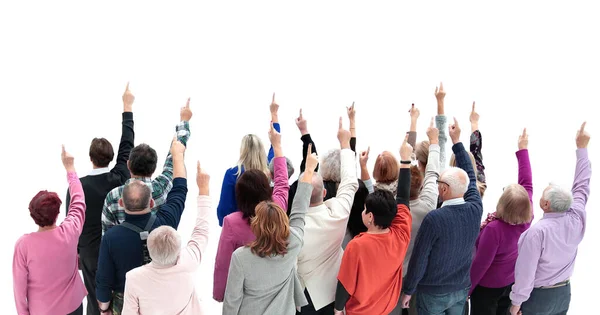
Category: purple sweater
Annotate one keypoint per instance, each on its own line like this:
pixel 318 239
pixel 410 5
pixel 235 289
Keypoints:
pixel 236 231
pixel 496 246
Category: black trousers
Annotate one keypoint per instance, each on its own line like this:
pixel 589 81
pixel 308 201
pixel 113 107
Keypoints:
pixel 88 263
pixel 310 309
pixel 78 311
pixel 490 301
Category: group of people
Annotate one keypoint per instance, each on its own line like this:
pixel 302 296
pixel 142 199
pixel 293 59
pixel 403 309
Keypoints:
pixel 406 238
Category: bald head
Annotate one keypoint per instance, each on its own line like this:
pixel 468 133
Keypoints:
pixel 136 196
pixel 457 182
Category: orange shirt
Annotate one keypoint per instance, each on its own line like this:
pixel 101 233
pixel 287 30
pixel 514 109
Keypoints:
pixel 371 269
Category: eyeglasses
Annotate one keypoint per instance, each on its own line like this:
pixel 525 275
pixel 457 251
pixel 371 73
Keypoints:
pixel 441 182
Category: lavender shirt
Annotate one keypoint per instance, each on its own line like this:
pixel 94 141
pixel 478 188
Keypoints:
pixel 547 251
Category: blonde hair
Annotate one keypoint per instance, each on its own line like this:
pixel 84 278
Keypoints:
pixel 252 155
pixel 514 206
pixel 164 245
pixel 272 229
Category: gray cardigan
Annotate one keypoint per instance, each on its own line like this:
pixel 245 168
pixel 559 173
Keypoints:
pixel 269 285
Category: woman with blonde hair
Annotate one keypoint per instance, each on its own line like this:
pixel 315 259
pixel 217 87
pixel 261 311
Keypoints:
pixel 262 275
pixel 493 268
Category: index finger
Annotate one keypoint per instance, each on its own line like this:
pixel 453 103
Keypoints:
pixel 583 126
pixel 63 148
pixel 198 166
pixel 309 152
pixel 127 87
pixel 456 121
pixel 405 139
pixel 431 123
pixel 524 132
pixel 340 122
pixel 273 101
pixel 473 109
pixel 187 104
pixel 300 113
pixel 368 149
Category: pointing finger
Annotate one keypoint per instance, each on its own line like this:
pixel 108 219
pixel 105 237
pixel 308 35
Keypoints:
pixel 273 101
pixel 340 122
pixel 583 126
pixel 127 87
pixel 473 109
pixel 187 104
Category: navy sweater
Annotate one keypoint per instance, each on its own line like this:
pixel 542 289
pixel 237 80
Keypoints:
pixel 121 249
pixel 445 244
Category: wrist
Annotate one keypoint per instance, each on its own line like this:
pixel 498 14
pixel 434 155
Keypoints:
pixel 70 169
pixel 278 152
pixel 203 191
pixel 274 118
pixel 127 109
pixel 345 145
pixel 304 131
pixel 474 126
pixel 434 141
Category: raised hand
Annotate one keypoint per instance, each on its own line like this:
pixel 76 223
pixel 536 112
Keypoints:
pixel 344 136
pixel 275 138
pixel 351 112
pixel 406 150
pixel 128 99
pixel 302 124
pixel 202 180
pixel 312 160
pixel 583 137
pixel 433 133
pixel 474 119
pixel 186 113
pixel 440 94
pixel 68 160
pixel 274 108
pixel 364 157
pixel 177 148
pixel 454 131
pixel 414 112
pixel 523 140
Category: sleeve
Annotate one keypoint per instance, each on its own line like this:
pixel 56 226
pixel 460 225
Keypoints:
pixel 403 191
pixel 581 185
pixel 440 124
pixel 484 255
pixel 412 138
pixel 426 238
pixel 429 194
pixel 341 297
pixel 234 292
pixel 222 262
pixel 73 223
pixel 67 203
pixel 163 183
pixel 110 208
pixel 306 140
pixel 170 212
pixel 464 161
pixel 353 144
pixel 271 154
pixel 525 175
pixel 281 188
pixel 402 222
pixel 369 184
pixel 348 184
pixel 227 202
pixel 105 275
pixel 475 149
pixel 291 195
pixel 349 269
pixel 197 244
pixel 530 250
pixel 131 304
pixel 20 279
pixel 299 208
pixel 125 146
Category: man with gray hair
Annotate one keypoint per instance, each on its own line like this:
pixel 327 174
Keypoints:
pixel 547 251
pixel 324 230
pixel 123 247
pixel 166 285
pixel 439 268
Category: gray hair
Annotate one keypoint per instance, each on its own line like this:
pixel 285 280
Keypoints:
pixel 457 179
pixel 316 197
pixel 164 245
pixel 331 165
pixel 136 196
pixel 559 198
pixel 288 162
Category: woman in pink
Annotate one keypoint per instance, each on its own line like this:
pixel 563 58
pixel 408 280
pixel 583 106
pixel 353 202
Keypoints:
pixel 251 188
pixel 46 278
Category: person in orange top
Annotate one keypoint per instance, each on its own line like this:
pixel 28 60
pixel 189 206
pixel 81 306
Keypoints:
pixel 370 277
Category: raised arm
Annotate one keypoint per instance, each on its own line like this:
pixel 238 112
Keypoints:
pixel 127 137
pixel 352 117
pixel 429 194
pixel 281 188
pixel 440 122
pixel 199 240
pixel 170 212
pixel 525 174
pixel 73 223
pixel 164 181
pixel 583 173
pixel 274 108
pixel 476 144
pixel 349 181
pixel 464 161
pixel 302 198
pixel 302 125
pixel 364 170
pixel 403 220
pixel 412 133
pixel 20 278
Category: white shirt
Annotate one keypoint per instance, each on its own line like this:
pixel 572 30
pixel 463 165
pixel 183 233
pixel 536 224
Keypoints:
pixel 452 202
pixel 321 256
pixel 99 171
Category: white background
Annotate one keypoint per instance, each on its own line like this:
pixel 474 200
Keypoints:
pixel 63 68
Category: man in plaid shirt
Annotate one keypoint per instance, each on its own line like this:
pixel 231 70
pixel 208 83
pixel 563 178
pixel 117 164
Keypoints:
pixel 142 168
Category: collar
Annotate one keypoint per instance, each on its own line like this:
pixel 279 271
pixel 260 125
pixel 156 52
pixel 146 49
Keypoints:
pixel 452 202
pixel 98 171
pixel 146 180
pixel 554 215
pixel 138 219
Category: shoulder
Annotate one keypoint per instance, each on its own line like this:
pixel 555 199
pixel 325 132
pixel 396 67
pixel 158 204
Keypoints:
pixel 22 242
pixel 115 192
pixel 136 273
pixel 241 254
pixel 234 218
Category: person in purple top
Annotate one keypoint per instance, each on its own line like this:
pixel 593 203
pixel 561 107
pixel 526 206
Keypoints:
pixel 493 268
pixel 548 249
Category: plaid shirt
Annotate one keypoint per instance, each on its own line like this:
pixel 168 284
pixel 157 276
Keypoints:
pixel 113 214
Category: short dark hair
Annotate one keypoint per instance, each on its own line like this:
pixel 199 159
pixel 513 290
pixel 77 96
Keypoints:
pixel 101 152
pixel 383 206
pixel 44 208
pixel 136 196
pixel 252 188
pixel 142 160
